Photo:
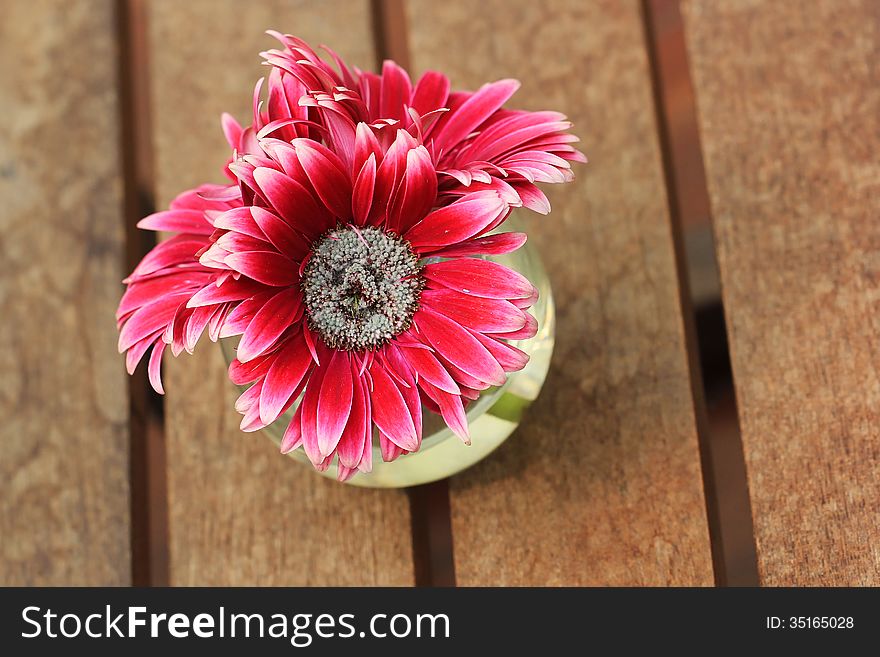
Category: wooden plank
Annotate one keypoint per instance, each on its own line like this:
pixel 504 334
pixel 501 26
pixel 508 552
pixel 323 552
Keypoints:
pixel 241 513
pixel 64 498
pixel 601 484
pixel 789 110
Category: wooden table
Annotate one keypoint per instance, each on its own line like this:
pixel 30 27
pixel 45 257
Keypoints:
pixel 619 474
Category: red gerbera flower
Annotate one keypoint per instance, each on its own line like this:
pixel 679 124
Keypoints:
pixel 348 254
pixel 153 310
pixel 470 137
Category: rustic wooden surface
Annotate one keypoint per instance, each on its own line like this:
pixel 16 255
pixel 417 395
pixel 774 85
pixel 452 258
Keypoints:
pixel 241 513
pixel 64 505
pixel 789 109
pixel 601 484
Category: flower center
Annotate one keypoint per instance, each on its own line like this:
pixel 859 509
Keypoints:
pixel 361 287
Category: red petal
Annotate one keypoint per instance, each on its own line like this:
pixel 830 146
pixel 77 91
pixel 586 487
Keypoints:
pixel 430 93
pixel 390 173
pixel 292 437
pixel 474 111
pixel 243 373
pixel 270 321
pixel 390 411
pixel 231 129
pixel 365 144
pixel 509 357
pixel 154 367
pixel 490 245
pixel 289 367
pixel 266 267
pixel 532 197
pixel 334 404
pixel 241 316
pixel 149 319
pixel 456 344
pixel 179 250
pixel 396 91
pixel 418 193
pixel 294 203
pixel 451 409
pixel 430 369
pixel 196 324
pixel 309 418
pixel 362 195
pixel 247 399
pixel 178 221
pixel 327 175
pixel 240 220
pixel 231 290
pixel 478 313
pixel 480 278
pixel 526 332
pixel 457 222
pixel 356 436
pixel 280 234
pixel 152 289
pixel 390 451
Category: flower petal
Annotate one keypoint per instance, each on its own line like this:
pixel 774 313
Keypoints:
pixel 283 380
pixel 390 411
pixel 418 191
pixel 362 194
pixel 282 236
pixel 327 175
pixel 430 93
pixel 240 318
pixel 526 332
pixel 390 451
pixel 240 220
pixel 473 112
pixel 462 219
pixel 477 313
pixel 451 409
pixel 243 373
pixel 148 319
pixel 532 197
pixel 267 267
pixel 293 202
pixel 270 321
pixel 178 221
pixel 232 290
pixel 457 345
pixel 430 369
pixel 154 367
pixel 309 416
pixel 395 91
pixel 292 437
pixel 509 357
pixel 356 435
pixel 479 278
pixel 489 245
pixel 335 402
pixel 179 250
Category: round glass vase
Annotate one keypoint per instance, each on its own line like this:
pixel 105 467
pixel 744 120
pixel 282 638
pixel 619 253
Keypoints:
pixel 492 417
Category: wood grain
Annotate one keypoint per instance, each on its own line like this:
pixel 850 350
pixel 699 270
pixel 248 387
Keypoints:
pixel 789 108
pixel 601 484
pixel 241 513
pixel 64 498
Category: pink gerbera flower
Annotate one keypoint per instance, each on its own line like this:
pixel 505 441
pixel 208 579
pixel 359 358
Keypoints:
pixel 348 255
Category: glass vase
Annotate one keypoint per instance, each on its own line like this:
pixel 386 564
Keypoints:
pixel 492 417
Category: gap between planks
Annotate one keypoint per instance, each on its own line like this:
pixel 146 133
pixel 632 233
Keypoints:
pixel 731 529
pixel 147 477
pixel 433 558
